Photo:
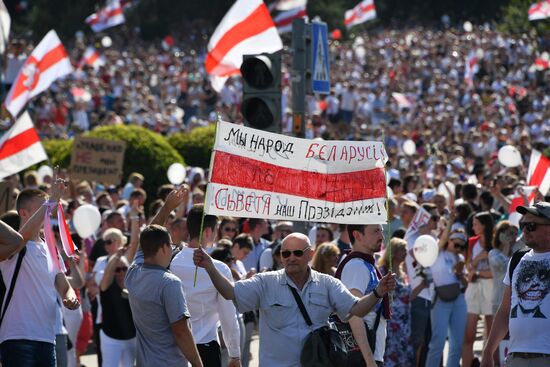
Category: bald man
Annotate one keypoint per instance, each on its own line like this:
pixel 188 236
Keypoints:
pixel 282 327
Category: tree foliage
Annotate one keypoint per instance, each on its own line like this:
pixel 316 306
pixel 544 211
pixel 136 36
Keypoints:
pixel 195 146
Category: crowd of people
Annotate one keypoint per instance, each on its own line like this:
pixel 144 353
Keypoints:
pixel 253 271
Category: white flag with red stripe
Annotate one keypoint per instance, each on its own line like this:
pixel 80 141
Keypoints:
pixel 257 174
pixel 247 28
pixel 540 10
pixel 362 12
pixel 109 16
pixel 403 101
pixel 91 58
pixel 283 20
pixel 20 147
pixel 48 62
pixel 471 68
pixel 538 176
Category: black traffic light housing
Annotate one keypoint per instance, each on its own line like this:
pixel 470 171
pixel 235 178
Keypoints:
pixel 261 105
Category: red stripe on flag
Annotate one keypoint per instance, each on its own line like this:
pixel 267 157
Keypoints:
pixel 540 171
pixel 51 58
pixel 245 172
pixel 257 22
pixel 287 21
pixel 517 201
pixel 92 59
pixel 18 143
pixel 358 12
pixel 97 19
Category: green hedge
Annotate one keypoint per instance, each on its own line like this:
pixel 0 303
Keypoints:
pixel 195 146
pixel 146 152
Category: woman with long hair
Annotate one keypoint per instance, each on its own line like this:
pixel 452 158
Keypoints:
pixel 326 257
pixel 480 283
pixel 399 349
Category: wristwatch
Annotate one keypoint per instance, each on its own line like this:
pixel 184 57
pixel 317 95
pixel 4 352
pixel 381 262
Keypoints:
pixel 376 294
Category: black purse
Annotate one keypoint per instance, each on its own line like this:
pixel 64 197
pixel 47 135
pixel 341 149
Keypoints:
pixel 323 347
pixel 449 292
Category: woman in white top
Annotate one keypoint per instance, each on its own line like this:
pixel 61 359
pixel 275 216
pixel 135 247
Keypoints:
pixel 499 256
pixel 448 314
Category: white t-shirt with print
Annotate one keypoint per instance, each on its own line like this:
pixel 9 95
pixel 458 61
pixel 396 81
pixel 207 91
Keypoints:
pixel 356 275
pixel 530 305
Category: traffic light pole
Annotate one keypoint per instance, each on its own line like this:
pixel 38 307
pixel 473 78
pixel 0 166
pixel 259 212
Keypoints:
pixel 300 68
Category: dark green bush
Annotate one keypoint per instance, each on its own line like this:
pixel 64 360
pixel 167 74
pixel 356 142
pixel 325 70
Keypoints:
pixel 196 146
pixel 146 152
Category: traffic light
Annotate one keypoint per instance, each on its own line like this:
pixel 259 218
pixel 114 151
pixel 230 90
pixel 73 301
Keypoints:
pixel 261 105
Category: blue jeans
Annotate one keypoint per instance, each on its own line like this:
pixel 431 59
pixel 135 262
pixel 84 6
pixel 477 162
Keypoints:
pixel 27 353
pixel 448 318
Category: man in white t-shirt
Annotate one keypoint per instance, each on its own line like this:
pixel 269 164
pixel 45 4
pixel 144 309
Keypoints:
pixel 524 312
pixel 27 335
pixel 361 277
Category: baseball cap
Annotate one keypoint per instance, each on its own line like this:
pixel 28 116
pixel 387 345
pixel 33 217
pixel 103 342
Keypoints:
pixel 540 209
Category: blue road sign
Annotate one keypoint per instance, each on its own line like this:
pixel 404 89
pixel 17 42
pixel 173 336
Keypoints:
pixel 319 66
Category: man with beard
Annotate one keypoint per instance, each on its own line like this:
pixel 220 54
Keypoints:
pixel 525 309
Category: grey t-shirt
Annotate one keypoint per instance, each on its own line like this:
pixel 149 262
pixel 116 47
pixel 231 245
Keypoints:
pixel 157 301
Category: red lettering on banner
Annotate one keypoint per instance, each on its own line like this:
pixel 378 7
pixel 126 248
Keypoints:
pixel 310 150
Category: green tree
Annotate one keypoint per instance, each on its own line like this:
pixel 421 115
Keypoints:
pixel 514 19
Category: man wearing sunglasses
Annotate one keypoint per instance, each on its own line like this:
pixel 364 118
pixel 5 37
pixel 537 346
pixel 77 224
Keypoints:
pixel 282 327
pixel 525 309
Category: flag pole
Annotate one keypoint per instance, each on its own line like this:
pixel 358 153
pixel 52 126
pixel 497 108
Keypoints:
pixel 388 248
pixel 218 120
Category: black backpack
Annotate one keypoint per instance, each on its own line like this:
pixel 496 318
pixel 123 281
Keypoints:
pixel 514 261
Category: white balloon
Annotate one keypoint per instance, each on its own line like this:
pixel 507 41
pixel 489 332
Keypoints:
pixel 425 250
pixel 468 27
pixel 44 171
pixel 106 42
pixel 409 147
pixel 86 220
pixel 509 156
pixel 176 173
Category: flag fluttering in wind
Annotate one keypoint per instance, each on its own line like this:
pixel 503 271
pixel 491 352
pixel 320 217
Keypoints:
pixel 109 16
pixel 20 147
pixel 247 28
pixel 540 10
pixel 91 58
pixel 538 177
pixel 48 62
pixel 283 20
pixel 5 23
pixel 362 12
pixel 471 68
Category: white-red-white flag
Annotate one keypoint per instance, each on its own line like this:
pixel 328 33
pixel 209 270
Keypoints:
pixel 284 5
pixel 403 101
pixel 91 58
pixel 538 176
pixel 283 20
pixel 5 23
pixel 20 147
pixel 540 10
pixel 362 12
pixel 109 16
pixel 247 28
pixel 471 68
pixel 541 63
pixel 48 62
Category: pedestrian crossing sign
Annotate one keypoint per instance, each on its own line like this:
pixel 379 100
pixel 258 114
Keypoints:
pixel 320 66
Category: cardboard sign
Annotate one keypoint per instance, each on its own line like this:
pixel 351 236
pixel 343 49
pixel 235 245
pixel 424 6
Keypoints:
pixel 97 160
pixel 264 175
pixel 7 201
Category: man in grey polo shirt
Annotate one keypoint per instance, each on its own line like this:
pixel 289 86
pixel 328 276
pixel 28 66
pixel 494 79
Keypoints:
pixel 158 305
pixel 282 327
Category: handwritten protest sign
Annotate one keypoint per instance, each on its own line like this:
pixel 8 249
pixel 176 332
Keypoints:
pixel 97 160
pixel 421 218
pixel 7 201
pixel 258 174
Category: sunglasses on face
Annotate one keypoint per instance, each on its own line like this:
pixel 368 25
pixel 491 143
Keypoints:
pixel 120 269
pixel 297 253
pixel 531 226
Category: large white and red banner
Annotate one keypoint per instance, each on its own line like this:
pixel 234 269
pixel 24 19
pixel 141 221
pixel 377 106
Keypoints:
pixel 538 177
pixel 362 12
pixel 257 174
pixel 48 62
pixel 109 16
pixel 20 147
pixel 283 20
pixel 247 28
pixel 539 10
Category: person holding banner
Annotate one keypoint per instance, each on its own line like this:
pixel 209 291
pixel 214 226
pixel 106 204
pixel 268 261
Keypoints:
pixel 282 330
pixel 27 334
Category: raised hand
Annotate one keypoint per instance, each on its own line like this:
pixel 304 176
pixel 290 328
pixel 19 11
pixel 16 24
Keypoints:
pixel 177 197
